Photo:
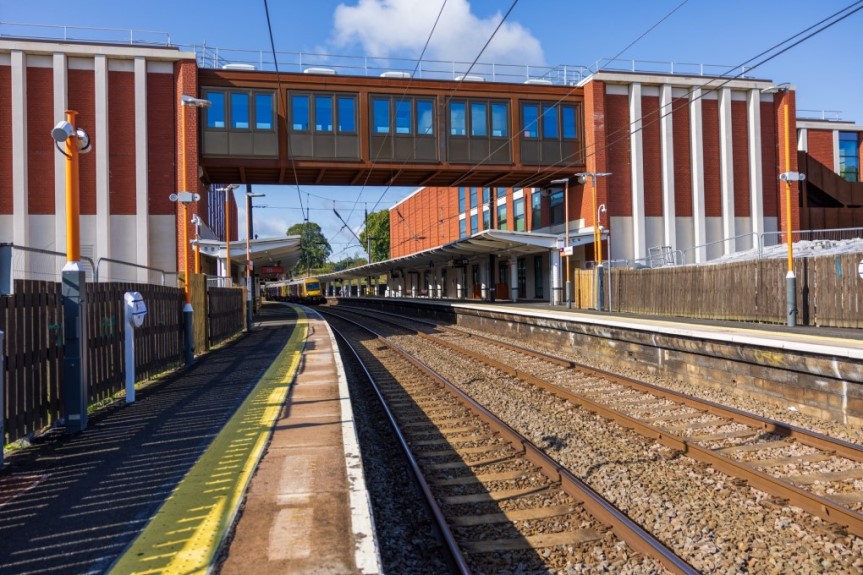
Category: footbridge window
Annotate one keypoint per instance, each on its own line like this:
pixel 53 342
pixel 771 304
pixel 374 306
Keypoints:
pixel 403 128
pixel 323 126
pixel 478 131
pixel 240 123
pixel 550 133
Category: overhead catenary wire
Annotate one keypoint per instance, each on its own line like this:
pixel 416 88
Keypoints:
pixel 633 127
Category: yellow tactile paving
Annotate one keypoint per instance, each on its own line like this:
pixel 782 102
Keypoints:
pixel 185 534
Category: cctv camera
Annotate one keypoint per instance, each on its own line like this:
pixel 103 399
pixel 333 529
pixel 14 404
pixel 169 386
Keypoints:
pixel 62 131
pixel 83 141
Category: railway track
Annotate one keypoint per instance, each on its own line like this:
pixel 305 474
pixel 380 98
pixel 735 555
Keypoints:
pixel 820 474
pixel 501 502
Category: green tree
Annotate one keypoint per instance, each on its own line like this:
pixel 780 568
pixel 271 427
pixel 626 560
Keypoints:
pixel 314 247
pixel 378 230
pixel 349 262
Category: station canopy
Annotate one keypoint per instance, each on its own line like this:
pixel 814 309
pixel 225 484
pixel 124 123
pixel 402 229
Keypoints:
pixel 487 242
pixel 284 251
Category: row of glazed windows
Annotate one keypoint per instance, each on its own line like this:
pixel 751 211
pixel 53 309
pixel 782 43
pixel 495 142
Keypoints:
pixel 556 207
pixel 333 112
pixel 519 222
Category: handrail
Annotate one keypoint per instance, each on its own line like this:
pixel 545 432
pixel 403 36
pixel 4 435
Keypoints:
pixel 97 37
pixel 109 260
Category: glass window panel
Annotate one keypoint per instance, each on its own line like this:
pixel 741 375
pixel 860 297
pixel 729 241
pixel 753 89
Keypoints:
pixel 381 115
pixel 486 195
pixel 550 122
pixel 347 110
pixel 535 210
pixel 486 219
pixel 473 194
pixel 501 192
pixel 462 228
pixel 323 113
pixel 403 117
pixel 457 119
pixel 216 111
pixel 478 119
pixel 473 224
pixel 425 118
pixel 530 120
pixel 518 215
pixel 501 217
pixel 300 112
pixel 499 120
pixel 538 273
pixel 849 159
pixel 239 111
pixel 263 111
pixel 461 200
pixel 569 125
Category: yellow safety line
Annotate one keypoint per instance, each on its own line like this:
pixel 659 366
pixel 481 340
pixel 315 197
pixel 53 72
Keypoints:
pixel 186 533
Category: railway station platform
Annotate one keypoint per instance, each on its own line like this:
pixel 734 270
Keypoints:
pixel 247 461
pixel 818 371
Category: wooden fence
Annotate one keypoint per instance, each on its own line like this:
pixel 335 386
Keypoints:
pixel 32 321
pixel 829 291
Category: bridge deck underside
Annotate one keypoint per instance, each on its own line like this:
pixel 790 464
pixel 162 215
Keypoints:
pixel 359 174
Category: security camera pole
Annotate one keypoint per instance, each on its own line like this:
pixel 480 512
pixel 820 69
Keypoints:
pixel 74 283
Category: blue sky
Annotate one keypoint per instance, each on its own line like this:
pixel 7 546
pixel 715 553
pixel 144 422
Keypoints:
pixel 825 69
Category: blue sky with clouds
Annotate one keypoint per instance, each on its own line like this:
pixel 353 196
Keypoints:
pixel 825 69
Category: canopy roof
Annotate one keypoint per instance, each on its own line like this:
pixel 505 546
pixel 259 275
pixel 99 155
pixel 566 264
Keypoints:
pixel 487 242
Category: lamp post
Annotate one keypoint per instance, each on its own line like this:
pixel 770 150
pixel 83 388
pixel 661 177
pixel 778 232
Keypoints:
pixel 249 263
pixel 788 177
pixel 597 235
pixel 187 102
pixel 74 286
pixel 599 211
pixel 228 189
pixel 567 248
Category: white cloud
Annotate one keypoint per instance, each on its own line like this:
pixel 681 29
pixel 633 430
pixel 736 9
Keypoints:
pixel 390 28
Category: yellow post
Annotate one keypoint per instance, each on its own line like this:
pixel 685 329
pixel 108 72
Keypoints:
pixel 788 228
pixel 73 202
pixel 184 213
pixel 597 236
pixel 228 191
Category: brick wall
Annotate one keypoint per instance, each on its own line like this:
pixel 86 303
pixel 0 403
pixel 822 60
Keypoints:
pixel 617 152
pixel 740 152
pixel 769 160
pixel 821 146
pixel 82 99
pixel 652 163
pixel 682 158
pixel 161 147
pixel 6 140
pixel 186 82
pixel 40 149
pixel 121 133
pixel 712 187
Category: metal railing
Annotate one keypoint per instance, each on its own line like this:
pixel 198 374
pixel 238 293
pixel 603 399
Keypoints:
pixel 130 264
pixel 22 262
pixel 84 34
pixel 666 67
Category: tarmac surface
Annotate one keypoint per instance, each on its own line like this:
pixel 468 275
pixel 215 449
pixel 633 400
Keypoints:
pixel 75 504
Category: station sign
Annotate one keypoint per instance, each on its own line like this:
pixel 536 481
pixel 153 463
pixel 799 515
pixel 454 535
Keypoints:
pixel 270 270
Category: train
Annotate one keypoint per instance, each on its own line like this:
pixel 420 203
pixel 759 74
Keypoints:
pixel 298 290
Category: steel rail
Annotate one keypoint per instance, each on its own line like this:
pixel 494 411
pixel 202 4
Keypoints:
pixel 806 500
pixel 456 557
pixel 628 530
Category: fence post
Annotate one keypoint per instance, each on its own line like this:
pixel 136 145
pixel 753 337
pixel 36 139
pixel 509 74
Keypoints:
pixel 6 283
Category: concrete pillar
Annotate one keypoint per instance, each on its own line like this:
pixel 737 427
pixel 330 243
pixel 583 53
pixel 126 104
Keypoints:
pixel 636 162
pixel 513 279
pixel 666 131
pixel 142 181
pixel 459 282
pixel 726 172
pixel 696 140
pixel 555 297
pixel 756 190
pixel 483 282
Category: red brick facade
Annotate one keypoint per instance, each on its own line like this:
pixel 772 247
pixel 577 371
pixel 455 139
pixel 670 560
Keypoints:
pixel 5 141
pixel 82 99
pixel 40 152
